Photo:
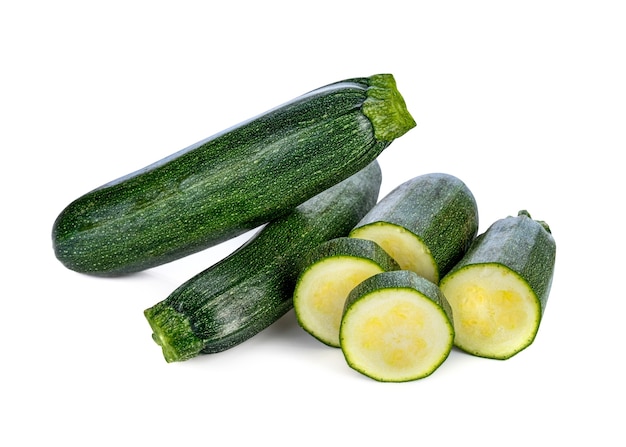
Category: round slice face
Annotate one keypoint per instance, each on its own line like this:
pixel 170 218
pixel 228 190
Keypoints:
pixel 395 335
pixel 496 313
pixel 408 250
pixel 321 293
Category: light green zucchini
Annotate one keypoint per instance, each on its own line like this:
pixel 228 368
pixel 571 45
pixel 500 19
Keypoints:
pixel 426 224
pixel 396 327
pixel 332 270
pixel 499 290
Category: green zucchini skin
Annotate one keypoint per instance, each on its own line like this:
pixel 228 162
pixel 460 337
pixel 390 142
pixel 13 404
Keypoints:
pixel 253 287
pixel 438 208
pixel 520 243
pixel 231 182
pixel 350 247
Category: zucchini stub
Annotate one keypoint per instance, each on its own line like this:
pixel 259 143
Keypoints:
pixel 426 224
pixel 332 270
pixel 250 289
pixel 397 326
pixel 499 290
pixel 233 181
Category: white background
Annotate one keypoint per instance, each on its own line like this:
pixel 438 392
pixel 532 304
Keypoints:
pixel 524 101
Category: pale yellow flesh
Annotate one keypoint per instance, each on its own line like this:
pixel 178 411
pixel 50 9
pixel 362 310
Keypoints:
pixel 396 335
pixel 496 313
pixel 403 246
pixel 321 293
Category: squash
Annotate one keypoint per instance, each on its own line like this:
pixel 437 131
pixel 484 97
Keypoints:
pixel 238 297
pixel 231 182
pixel 499 289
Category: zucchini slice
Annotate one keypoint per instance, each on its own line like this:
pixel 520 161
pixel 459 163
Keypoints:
pixel 396 327
pixel 232 182
pixel 333 269
pixel 500 288
pixel 250 289
pixel 426 224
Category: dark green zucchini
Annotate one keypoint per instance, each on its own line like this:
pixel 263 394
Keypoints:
pixel 250 289
pixel 232 182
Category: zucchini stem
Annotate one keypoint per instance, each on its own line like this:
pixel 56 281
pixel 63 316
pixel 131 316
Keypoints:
pixel 386 109
pixel 173 332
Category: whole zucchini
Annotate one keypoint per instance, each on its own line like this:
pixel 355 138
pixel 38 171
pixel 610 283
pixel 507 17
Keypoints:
pixel 231 182
pixel 253 287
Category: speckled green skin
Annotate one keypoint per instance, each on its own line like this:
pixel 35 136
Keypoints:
pixel 521 244
pixel 232 182
pixel 351 247
pixel 253 287
pixel 438 208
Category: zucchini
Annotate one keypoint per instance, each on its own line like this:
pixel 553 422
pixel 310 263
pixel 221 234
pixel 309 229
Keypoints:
pixel 332 270
pixel 500 288
pixel 251 288
pixel 426 224
pixel 397 326
pixel 233 181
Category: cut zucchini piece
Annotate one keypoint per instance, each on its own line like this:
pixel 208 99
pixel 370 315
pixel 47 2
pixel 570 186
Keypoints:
pixel 396 327
pixel 408 249
pixel 499 290
pixel 333 269
pixel 426 224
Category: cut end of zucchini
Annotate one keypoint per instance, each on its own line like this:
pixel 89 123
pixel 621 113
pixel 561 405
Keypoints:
pixel 406 248
pixel 386 109
pixel 496 313
pixel 396 335
pixel 172 331
pixel 322 290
